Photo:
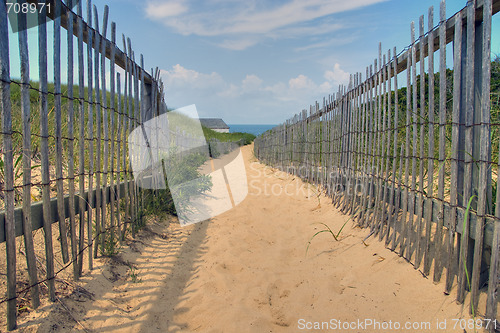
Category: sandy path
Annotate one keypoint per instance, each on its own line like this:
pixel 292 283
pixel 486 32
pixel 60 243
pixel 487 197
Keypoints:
pixel 246 271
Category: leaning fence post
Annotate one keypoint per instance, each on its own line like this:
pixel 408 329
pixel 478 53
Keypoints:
pixel 8 169
pixel 44 132
pixel 467 110
pixel 26 114
pixel 482 116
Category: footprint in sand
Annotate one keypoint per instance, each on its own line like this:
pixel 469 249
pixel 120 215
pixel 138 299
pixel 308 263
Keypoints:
pixel 277 301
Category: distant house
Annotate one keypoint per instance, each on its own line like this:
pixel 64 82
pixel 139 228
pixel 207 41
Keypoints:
pixel 215 124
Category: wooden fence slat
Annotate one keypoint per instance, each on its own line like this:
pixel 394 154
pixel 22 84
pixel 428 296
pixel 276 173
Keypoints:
pixel 131 123
pixel 371 148
pixel 485 144
pixel 438 237
pixel 430 152
pixel 81 142
pixel 394 209
pixel 421 154
pixel 376 176
pixel 58 134
pixel 136 117
pixel 120 120
pixel 113 210
pixel 71 159
pixel 493 282
pixel 347 146
pixel 126 120
pixel 105 127
pixel 457 72
pixel 380 211
pixel 404 225
pixel 362 213
pixel 44 150
pixel 359 154
pixel 414 111
pixel 8 169
pixel 463 277
pixel 141 111
pixel 399 224
pixel 359 136
pixel 387 148
pixel 98 131
pixel 388 110
pixel 91 138
pixel 378 157
pixel 26 114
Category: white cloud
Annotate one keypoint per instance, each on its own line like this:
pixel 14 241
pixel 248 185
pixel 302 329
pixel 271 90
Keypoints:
pixel 181 77
pixel 238 44
pixel 337 75
pixel 301 82
pixel 215 96
pixel 160 10
pixel 251 82
pixel 290 18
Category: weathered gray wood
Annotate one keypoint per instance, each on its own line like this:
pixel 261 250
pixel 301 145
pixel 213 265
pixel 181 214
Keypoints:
pixel 141 110
pixel 430 152
pixel 359 139
pixel 378 132
pixel 361 149
pixel 105 143
pixel 399 224
pixel 131 124
pixel 71 158
pixel 90 128
pixel 387 126
pixel 457 72
pixel 394 209
pixel 362 213
pixel 136 120
pixel 404 226
pixel 120 57
pixel 387 145
pixel 126 120
pixel 98 131
pixel 438 237
pixel 120 120
pixel 36 212
pixel 493 282
pixel 463 277
pixel 421 153
pixel 371 154
pixel 113 210
pixel 44 150
pixel 26 114
pixel 81 140
pixel 411 217
pixel 58 133
pixel 8 169
pixel 485 148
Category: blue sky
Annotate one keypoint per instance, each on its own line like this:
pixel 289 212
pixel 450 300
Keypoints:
pixel 260 62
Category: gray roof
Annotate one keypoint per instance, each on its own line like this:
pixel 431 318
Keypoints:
pixel 214 123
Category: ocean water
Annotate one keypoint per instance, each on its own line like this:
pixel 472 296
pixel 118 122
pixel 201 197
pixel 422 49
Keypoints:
pixel 254 129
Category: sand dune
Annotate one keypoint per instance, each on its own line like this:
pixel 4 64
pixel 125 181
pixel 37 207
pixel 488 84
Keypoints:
pixel 247 271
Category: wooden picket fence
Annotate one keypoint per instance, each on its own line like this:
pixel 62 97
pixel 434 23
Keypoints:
pixel 414 162
pixel 78 135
